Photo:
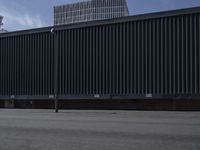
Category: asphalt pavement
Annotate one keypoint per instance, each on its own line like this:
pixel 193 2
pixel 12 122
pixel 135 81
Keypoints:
pixel 98 130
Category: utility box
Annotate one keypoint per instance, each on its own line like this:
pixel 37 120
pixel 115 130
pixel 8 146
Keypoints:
pixel 9 104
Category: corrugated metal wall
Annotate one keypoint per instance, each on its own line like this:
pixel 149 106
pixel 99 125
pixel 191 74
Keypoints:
pixel 27 64
pixel 157 56
pixel 139 58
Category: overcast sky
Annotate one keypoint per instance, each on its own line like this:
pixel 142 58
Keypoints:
pixel 25 14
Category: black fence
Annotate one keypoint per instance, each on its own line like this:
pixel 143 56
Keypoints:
pixel 147 56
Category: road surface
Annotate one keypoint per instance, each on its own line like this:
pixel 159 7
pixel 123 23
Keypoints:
pixel 98 130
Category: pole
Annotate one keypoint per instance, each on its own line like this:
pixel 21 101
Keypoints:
pixel 56 105
pixel 55 70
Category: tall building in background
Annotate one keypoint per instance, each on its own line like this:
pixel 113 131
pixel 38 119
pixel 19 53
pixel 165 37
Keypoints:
pixel 1 23
pixel 90 10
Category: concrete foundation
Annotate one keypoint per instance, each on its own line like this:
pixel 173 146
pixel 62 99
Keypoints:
pixel 106 104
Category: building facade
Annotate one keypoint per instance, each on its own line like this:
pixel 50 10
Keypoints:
pixel 146 57
pixel 90 10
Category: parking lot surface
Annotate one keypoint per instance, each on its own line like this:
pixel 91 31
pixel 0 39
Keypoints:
pixel 98 130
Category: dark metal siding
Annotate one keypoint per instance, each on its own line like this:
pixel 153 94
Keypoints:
pixel 26 65
pixel 154 56
pixel 141 58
